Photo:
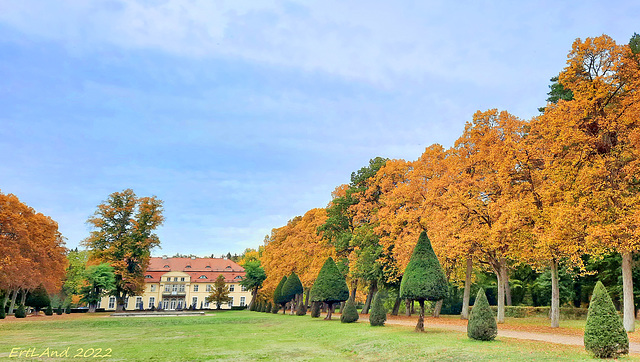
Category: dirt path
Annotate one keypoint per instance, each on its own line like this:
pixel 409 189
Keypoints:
pixel 634 347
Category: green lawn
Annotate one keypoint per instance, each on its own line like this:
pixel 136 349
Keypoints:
pixel 244 335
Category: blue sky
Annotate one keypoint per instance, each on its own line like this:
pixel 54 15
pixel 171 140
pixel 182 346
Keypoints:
pixel 241 115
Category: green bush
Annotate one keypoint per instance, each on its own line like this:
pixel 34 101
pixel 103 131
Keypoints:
pixel 315 309
pixel 38 298
pixel 350 313
pixel 482 322
pixel 330 286
pixel 604 333
pixel 3 314
pixel 49 310
pixel 278 297
pixel 302 309
pixel 378 314
pixel 59 310
pixel 67 310
pixel 275 308
pixel 291 287
pixel 20 312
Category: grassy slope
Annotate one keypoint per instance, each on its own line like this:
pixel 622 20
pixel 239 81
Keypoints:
pixel 247 335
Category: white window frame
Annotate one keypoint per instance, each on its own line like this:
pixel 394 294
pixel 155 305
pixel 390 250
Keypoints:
pixel 126 303
pixel 167 287
pixel 112 302
pixel 232 287
pixel 243 288
pixel 181 288
pixel 139 303
pixel 209 288
pixel 242 301
pixel 194 301
pixel 231 302
pixel 195 287
pixel 153 287
pixel 152 302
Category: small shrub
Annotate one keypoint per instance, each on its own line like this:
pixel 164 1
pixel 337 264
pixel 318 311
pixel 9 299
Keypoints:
pixel 67 310
pixel 604 333
pixel 482 322
pixel 267 307
pixel 275 308
pixel 350 313
pixel 378 314
pixel 315 309
pixel 59 310
pixel 20 312
pixel 302 309
pixel 49 310
pixel 3 314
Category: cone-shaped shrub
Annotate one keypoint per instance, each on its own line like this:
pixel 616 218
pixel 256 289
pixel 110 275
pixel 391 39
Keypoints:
pixel 20 312
pixel 291 287
pixel 278 298
pixel 315 309
pixel 267 307
pixel 604 333
pixel 302 309
pixel 378 314
pixel 350 313
pixel 59 310
pixel 275 308
pixel 330 286
pixel 423 278
pixel 482 323
pixel 38 298
pixel 67 310
pixel 49 310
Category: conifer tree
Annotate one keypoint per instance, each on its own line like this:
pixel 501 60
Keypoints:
pixel 38 298
pixel 378 314
pixel 482 323
pixel 350 313
pixel 604 333
pixel 67 310
pixel 278 297
pixel 423 278
pixel 20 312
pixel 49 310
pixel 330 286
pixel 59 310
pixel 292 288
pixel 275 308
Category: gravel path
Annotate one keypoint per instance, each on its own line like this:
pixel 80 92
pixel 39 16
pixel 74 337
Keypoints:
pixel 533 336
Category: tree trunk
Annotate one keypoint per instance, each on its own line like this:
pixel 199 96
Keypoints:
pixel 420 325
pixel 507 288
pixel 627 290
pixel 408 307
pixel 499 275
pixel 373 288
pixel 329 312
pixel 354 289
pixel 5 299
pixel 396 307
pixel 467 290
pixel 413 307
pixel 306 298
pixel 324 307
pixel 92 307
pixel 13 300
pixel 254 296
pixel 23 297
pixel 555 296
pixel 119 302
pixel 437 308
pixel 342 306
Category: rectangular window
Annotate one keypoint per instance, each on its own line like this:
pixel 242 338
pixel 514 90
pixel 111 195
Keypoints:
pixel 232 288
pixel 112 302
pixel 195 288
pixel 167 287
pixel 182 279
pixel 208 287
pixel 175 288
pixel 194 302
pixel 153 287
pixel 152 302
pixel 231 302
pixel 181 288
pixel 139 303
pixel 99 302
pixel 242 301
pixel 206 304
pixel 126 302
pixel 243 288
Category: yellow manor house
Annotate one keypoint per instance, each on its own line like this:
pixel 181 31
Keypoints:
pixel 179 283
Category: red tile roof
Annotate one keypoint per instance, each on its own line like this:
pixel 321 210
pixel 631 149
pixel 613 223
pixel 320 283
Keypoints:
pixel 208 267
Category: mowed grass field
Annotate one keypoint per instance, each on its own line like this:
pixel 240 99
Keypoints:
pixel 249 336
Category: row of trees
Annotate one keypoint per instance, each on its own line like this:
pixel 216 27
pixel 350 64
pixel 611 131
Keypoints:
pixel 543 192
pixel 32 252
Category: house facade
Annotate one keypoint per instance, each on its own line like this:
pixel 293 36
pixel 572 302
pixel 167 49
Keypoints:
pixel 179 283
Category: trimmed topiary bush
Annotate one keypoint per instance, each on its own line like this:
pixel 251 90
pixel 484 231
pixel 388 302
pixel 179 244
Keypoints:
pixel 278 298
pixel 291 288
pixel 38 298
pixel 20 312
pixel 482 322
pixel 59 310
pixel 267 307
pixel 49 310
pixel 330 286
pixel 3 314
pixel 315 309
pixel 275 308
pixel 350 313
pixel 604 333
pixel 423 278
pixel 67 310
pixel 378 314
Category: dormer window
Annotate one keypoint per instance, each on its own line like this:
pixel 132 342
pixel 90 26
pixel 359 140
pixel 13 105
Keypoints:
pixel 166 266
pixel 238 277
pixel 228 267
pixel 208 266
pixel 188 266
pixel 148 276
pixel 202 277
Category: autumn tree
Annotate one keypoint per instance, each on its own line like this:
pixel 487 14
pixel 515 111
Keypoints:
pixel 219 293
pixel 99 280
pixel 124 237
pixel 253 278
